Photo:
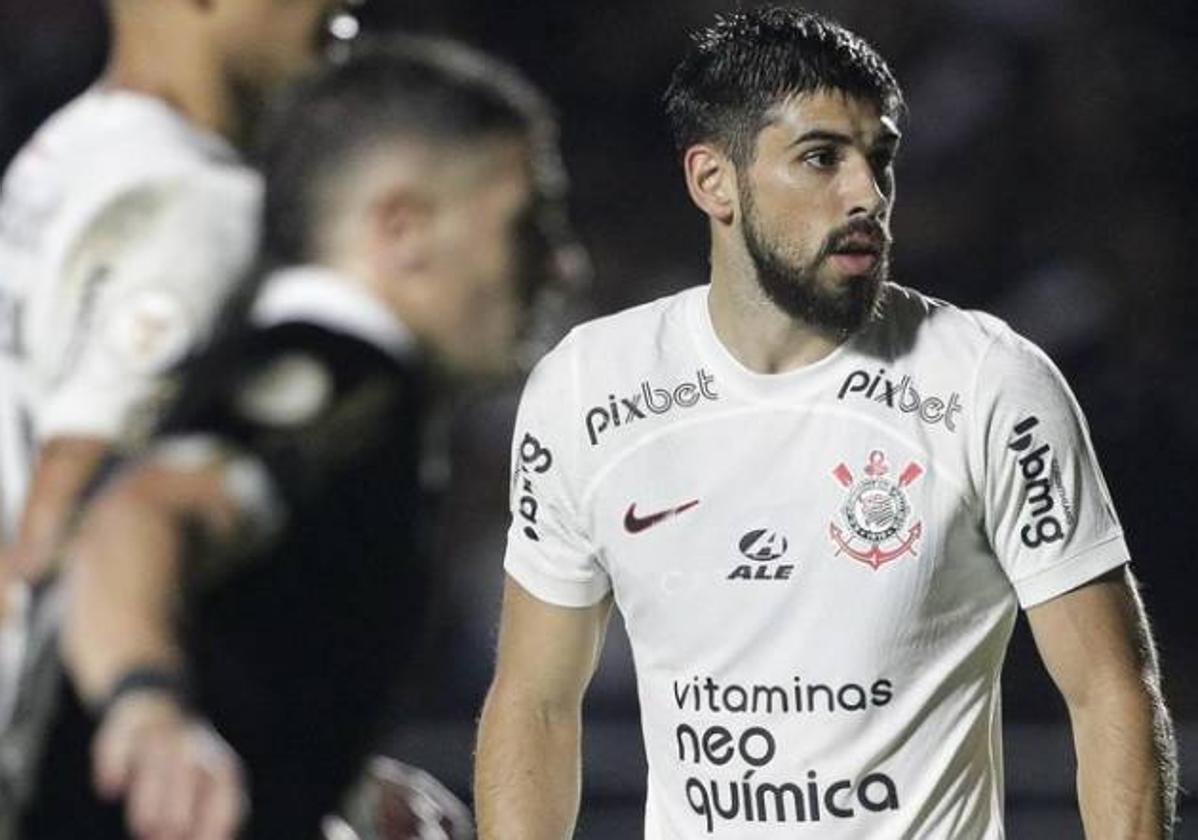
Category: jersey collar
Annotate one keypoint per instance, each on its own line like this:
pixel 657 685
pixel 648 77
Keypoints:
pixel 317 295
pixel 749 383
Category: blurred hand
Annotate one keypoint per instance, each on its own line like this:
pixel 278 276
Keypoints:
pixel 393 801
pixel 179 779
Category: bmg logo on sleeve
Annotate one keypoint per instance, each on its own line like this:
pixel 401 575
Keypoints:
pixel 648 399
pixel 533 458
pixel 1041 474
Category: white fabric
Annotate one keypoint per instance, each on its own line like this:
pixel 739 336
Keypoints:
pixel 314 295
pixel 819 615
pixel 122 227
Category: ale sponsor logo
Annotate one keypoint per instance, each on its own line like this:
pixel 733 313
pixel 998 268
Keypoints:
pixel 902 396
pixel 763 546
pixel 649 400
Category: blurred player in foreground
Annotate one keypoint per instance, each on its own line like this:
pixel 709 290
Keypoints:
pixel 818 499
pixel 257 571
pixel 124 224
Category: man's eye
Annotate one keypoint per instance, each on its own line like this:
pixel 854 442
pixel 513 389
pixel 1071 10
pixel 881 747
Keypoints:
pixel 822 158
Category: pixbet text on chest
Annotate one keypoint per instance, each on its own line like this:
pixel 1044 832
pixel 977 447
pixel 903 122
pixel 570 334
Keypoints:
pixel 648 398
pixel 903 396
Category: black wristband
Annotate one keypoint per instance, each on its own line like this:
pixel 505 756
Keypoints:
pixel 149 678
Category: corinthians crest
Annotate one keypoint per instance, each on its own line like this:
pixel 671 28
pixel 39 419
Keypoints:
pixel 875 513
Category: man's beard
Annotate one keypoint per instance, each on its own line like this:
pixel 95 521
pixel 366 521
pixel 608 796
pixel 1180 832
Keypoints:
pixel 794 287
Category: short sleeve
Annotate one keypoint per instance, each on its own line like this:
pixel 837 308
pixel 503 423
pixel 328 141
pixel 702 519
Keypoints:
pixel 137 293
pixel 549 551
pixel 305 405
pixel 1048 513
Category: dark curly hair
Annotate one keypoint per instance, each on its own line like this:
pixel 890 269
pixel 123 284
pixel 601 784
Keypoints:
pixel 748 63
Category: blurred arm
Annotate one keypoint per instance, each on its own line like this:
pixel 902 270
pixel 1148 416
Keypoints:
pixel 63 469
pixel 128 554
pixel 527 771
pixel 1097 646
pixel 177 777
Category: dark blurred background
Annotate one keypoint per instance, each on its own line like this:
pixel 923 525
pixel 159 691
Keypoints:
pixel 1047 175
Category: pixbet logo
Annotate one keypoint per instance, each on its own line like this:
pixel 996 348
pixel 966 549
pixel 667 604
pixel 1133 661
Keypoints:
pixel 763 546
pixel 1041 475
pixel 903 396
pixel 654 400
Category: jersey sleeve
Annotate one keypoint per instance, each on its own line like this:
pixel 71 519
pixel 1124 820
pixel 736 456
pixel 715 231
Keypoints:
pixel 298 407
pixel 1048 512
pixel 549 551
pixel 137 292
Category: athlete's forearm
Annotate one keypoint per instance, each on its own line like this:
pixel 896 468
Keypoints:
pixel 1127 764
pixel 527 774
pixel 123 587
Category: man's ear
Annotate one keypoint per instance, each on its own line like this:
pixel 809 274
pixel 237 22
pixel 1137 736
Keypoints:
pixel 711 182
pixel 398 232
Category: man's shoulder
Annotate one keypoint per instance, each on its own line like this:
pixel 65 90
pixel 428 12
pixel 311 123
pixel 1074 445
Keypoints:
pixel 912 322
pixel 134 126
pixel 598 353
pixel 308 344
pixel 953 349
pixel 104 144
pixel 642 321
pixel 643 328
pixel 107 154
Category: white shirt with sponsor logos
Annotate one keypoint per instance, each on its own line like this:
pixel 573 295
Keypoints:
pixel 819 570
pixel 122 228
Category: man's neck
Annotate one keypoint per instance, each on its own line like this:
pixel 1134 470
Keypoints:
pixel 179 71
pixel 753 329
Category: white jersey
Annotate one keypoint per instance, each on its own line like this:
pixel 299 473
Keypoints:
pixel 819 570
pixel 122 229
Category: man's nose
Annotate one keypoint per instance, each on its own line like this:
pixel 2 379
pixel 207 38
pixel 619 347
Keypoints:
pixel 863 192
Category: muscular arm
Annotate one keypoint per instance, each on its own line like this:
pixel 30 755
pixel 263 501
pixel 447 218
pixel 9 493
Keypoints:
pixel 527 774
pixel 1097 646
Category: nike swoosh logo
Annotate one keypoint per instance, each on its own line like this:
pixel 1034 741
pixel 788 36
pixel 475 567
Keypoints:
pixel 634 524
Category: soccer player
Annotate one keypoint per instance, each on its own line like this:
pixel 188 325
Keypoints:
pixel 124 223
pixel 257 572
pixel 818 499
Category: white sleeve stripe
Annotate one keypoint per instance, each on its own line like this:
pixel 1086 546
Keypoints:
pixel 555 589
pixel 1071 573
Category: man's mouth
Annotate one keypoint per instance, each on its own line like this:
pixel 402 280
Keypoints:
pixel 859 246
pixel 855 263
pixel 857 255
